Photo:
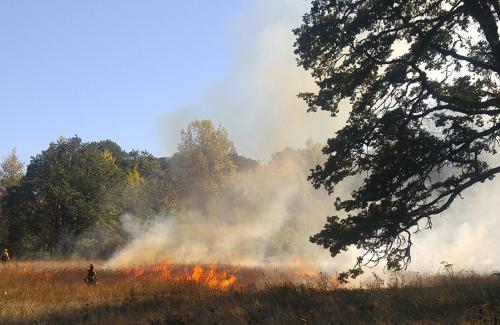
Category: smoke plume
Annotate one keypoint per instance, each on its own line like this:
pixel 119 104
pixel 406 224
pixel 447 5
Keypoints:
pixel 264 218
pixel 272 210
pixel 256 100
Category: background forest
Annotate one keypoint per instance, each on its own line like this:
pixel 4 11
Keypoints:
pixel 71 198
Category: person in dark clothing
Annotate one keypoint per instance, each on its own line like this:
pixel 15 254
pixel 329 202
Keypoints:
pixel 5 257
pixel 91 278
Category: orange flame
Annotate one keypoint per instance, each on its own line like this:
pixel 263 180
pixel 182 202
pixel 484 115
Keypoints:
pixel 163 270
pixel 210 277
pixel 301 270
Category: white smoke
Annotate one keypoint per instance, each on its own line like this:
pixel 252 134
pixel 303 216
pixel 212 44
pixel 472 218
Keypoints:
pixel 466 235
pixel 264 218
pixel 256 101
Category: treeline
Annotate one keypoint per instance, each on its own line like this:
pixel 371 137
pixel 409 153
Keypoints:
pixel 69 198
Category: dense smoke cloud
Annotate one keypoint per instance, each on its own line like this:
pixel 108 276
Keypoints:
pixel 269 213
pixel 264 218
pixel 276 210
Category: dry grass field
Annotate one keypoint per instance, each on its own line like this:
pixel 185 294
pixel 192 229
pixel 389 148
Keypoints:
pixel 55 293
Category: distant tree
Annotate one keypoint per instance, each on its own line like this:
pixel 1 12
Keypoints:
pixel 423 81
pixel 11 171
pixel 18 208
pixel 150 189
pixel 204 159
pixel 243 164
pixel 68 188
pixel 11 174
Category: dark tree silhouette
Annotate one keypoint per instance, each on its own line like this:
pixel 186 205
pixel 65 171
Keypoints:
pixel 422 78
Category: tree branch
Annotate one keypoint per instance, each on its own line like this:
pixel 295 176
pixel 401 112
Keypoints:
pixel 475 62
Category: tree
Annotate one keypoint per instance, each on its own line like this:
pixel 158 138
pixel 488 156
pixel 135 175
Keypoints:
pixel 11 174
pixel 203 161
pixel 149 189
pixel 422 78
pixel 243 164
pixel 68 188
pixel 11 171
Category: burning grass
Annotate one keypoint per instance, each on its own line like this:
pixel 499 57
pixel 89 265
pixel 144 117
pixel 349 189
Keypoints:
pixel 208 276
pixel 164 293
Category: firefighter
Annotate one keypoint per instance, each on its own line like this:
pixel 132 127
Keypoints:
pixel 91 278
pixel 5 257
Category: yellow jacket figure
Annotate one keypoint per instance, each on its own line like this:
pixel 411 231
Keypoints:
pixel 5 257
pixel 91 278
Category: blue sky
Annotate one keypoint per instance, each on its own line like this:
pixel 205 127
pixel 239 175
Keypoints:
pixel 105 69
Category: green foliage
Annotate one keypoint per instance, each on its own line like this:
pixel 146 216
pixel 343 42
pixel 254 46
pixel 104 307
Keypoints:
pixel 150 189
pixel 68 188
pixel 11 174
pixel 111 150
pixel 423 81
pixel 73 193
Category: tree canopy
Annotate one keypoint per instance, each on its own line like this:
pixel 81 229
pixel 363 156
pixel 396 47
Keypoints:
pixel 204 159
pixel 11 172
pixel 422 78
pixel 72 195
pixel 68 188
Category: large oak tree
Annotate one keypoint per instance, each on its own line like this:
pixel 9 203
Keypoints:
pixel 422 78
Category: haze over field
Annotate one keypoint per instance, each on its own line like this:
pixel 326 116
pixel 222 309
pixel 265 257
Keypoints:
pixel 249 162
pixel 275 209
pixel 257 103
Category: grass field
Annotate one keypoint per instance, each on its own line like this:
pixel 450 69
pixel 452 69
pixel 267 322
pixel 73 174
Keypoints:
pixel 55 293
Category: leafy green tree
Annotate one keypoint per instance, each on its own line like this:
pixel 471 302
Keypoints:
pixel 11 174
pixel 150 189
pixel 112 151
pixel 18 207
pixel 68 188
pixel 422 78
